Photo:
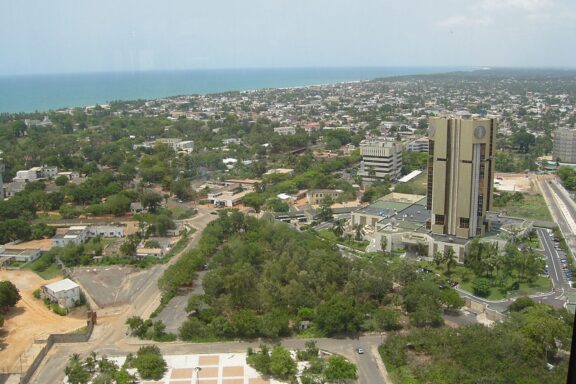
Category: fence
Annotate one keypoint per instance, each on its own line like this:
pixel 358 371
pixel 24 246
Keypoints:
pixel 50 341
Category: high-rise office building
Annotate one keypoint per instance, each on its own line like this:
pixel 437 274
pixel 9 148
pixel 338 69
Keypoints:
pixel 565 145
pixel 381 158
pixel 460 174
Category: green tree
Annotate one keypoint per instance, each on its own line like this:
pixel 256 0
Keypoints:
pixel 75 372
pixel 151 201
pixel 339 370
pixel 61 181
pixel 281 363
pixel 338 228
pixel 521 303
pixel 150 363
pixel 255 200
pixel 325 213
pixel 359 231
pixel 481 287
pixel 9 294
pixel 338 315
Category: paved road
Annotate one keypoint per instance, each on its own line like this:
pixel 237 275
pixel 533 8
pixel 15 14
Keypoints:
pixel 555 298
pixel 369 363
pixel 143 304
pixel 562 208
pixel 174 314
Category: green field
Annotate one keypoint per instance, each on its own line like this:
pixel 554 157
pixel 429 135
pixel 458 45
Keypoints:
pixel 49 273
pixel 416 186
pixel 531 207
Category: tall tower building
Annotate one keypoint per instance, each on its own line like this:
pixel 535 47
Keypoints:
pixel 460 174
pixel 565 145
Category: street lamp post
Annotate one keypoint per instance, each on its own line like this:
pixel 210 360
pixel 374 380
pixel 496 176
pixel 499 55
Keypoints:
pixel 197 370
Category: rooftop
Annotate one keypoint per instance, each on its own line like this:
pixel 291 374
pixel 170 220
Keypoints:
pixel 62 285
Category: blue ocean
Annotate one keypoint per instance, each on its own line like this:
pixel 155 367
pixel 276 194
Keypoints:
pixel 44 92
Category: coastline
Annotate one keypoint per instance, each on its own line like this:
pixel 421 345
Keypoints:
pixel 29 93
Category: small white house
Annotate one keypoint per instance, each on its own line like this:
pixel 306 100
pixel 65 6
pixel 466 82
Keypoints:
pixel 106 231
pixel 76 234
pixel 64 292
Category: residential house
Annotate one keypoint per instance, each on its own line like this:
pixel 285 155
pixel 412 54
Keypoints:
pixel 65 293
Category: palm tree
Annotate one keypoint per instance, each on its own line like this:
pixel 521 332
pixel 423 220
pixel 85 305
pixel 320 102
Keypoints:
pixel 359 229
pixel 383 243
pixel 338 228
pixel 449 258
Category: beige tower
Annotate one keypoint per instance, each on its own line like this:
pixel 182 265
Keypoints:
pixel 460 174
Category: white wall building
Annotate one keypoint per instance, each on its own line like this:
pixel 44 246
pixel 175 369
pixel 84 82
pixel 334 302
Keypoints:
pixel 418 145
pixel 285 130
pixel 64 292
pixel 36 173
pixel 78 234
pixel 380 158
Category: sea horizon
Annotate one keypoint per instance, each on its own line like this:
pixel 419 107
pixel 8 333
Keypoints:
pixel 23 93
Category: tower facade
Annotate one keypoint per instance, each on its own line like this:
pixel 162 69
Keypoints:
pixel 565 145
pixel 460 174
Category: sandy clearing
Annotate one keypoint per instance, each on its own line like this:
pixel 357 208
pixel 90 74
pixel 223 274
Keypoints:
pixel 30 319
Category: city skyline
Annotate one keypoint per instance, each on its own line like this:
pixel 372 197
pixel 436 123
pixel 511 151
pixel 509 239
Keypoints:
pixel 64 37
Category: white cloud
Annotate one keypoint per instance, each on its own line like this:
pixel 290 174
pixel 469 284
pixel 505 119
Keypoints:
pixel 463 21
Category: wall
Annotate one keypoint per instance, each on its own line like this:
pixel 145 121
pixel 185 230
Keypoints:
pixel 50 341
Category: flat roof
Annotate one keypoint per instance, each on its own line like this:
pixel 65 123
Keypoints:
pixel 409 176
pixel 62 285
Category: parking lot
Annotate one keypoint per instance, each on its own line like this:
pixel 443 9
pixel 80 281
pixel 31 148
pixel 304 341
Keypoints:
pixel 557 266
pixel 113 285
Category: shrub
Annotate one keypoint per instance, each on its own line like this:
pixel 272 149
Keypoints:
pixel 36 293
pixel 58 309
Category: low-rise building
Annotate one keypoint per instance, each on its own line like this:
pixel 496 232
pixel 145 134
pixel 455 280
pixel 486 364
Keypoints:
pixel 20 255
pixel 285 130
pixel 79 234
pixel 106 231
pixel 35 173
pixel 65 293
pixel 315 196
pixel 76 234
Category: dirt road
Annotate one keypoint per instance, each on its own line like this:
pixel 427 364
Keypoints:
pixel 30 320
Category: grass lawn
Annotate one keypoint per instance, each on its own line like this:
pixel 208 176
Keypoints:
pixel 49 273
pixel 330 236
pixel 466 277
pixel 46 218
pixel 417 185
pixel 534 244
pixel 531 207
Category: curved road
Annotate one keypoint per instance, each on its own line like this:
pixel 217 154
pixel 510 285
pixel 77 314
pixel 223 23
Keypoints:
pixel 110 338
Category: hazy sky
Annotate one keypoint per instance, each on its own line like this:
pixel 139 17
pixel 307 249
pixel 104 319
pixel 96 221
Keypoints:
pixel 58 36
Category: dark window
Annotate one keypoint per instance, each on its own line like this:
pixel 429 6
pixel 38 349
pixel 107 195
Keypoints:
pixel 464 222
pixel 439 219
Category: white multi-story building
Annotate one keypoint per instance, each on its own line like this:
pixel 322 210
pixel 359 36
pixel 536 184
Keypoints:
pixel 64 292
pixel 381 157
pixel 418 145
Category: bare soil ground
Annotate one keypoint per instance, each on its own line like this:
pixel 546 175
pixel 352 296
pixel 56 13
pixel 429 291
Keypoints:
pixel 515 182
pixel 30 320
